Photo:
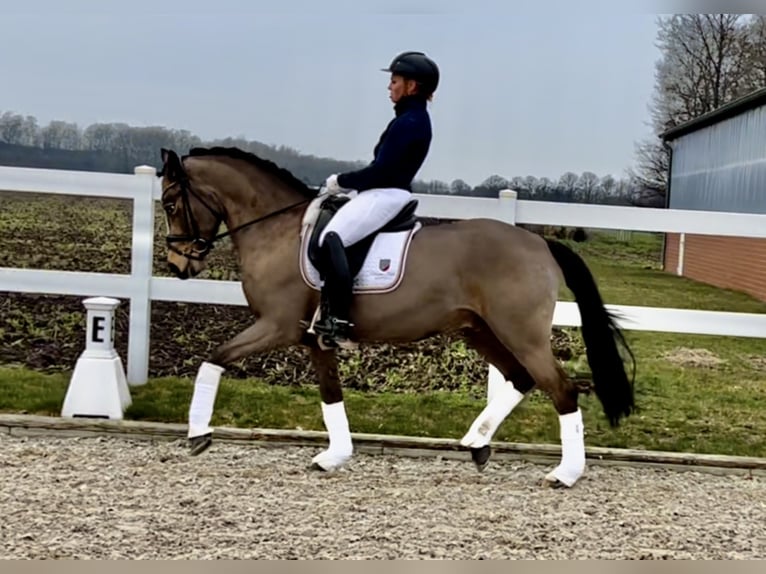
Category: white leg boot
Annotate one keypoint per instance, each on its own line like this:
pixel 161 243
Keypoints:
pixel 572 450
pixel 505 397
pixel 205 391
pixel 495 381
pixel 340 449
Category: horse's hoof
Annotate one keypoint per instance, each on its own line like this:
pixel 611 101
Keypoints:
pixel 553 483
pixel 199 444
pixel 480 456
pixel 329 461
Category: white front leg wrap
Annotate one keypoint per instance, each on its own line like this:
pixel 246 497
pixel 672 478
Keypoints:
pixel 572 450
pixel 504 399
pixel 205 391
pixel 340 448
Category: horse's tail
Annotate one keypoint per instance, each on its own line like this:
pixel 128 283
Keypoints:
pixel 601 335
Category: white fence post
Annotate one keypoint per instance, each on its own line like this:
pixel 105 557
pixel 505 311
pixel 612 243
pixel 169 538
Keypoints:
pixel 507 199
pixel 681 249
pixel 141 269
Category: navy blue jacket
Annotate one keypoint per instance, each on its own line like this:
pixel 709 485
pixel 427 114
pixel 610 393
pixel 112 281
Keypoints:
pixel 400 152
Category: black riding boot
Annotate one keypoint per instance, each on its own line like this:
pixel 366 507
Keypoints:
pixel 334 325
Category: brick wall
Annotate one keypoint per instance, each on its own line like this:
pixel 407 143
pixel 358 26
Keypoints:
pixel 730 262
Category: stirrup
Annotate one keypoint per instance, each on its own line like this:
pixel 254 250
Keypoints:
pixel 333 327
pixel 331 332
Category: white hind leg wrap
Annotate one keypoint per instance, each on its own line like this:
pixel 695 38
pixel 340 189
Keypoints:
pixel 505 397
pixel 205 391
pixel 572 450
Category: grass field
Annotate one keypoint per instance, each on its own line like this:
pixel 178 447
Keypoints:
pixel 695 393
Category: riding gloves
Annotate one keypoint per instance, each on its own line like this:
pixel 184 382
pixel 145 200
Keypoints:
pixel 331 185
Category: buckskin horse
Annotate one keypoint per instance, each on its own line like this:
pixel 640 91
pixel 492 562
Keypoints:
pixel 492 282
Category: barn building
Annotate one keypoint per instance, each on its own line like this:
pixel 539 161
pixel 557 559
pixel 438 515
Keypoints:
pixel 718 163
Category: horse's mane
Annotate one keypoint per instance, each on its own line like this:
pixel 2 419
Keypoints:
pixel 269 166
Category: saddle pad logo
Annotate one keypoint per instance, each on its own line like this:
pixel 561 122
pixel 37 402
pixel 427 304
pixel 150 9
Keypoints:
pixel 384 264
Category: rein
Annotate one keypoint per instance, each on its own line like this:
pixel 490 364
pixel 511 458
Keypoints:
pixel 201 246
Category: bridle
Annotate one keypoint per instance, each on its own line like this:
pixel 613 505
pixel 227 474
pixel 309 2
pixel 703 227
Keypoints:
pixel 201 246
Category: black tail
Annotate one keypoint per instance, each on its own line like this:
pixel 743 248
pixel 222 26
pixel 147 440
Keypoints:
pixel 601 335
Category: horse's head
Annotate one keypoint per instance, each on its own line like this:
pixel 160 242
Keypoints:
pixel 193 216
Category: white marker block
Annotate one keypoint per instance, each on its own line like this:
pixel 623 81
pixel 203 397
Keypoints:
pixel 98 388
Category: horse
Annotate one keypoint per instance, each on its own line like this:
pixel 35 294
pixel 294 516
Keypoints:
pixel 490 282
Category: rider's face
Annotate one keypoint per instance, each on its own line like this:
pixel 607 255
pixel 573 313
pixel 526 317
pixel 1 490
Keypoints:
pixel 399 87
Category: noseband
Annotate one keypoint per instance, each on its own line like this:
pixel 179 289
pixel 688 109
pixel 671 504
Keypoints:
pixel 201 246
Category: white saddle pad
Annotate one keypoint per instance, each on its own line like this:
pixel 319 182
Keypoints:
pixel 383 267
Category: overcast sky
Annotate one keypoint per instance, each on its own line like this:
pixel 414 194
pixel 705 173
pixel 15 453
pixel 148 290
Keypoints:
pixel 528 87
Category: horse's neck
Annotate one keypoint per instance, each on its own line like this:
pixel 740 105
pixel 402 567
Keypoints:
pixel 257 206
pixel 257 198
pixel 261 250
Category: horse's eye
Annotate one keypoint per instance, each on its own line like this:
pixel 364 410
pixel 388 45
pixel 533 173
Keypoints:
pixel 169 208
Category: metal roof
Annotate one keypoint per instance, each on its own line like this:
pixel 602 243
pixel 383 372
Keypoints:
pixel 735 107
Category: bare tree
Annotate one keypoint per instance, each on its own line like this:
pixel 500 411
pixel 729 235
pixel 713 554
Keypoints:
pixel 705 63
pixel 587 187
pixel 567 185
pixel 543 188
pixel 607 186
pixel 530 185
pixel 438 187
pixel 100 137
pixel 62 135
pixel 185 140
pixel 491 186
pixel 518 184
pixel 652 175
pixel 460 187
pixel 11 128
pixel 755 47
pixel 19 130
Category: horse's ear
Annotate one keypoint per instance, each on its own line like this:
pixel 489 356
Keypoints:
pixel 171 163
pixel 168 155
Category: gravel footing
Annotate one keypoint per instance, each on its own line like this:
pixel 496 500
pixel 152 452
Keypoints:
pixel 112 498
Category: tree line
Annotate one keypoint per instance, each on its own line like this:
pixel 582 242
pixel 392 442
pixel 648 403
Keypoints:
pixel 119 147
pixel 586 187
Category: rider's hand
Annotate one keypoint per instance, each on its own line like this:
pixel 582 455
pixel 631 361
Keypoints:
pixel 331 185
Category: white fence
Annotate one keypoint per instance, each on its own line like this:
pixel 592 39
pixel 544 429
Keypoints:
pixel 142 288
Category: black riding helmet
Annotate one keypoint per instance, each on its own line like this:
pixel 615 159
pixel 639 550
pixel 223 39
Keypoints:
pixel 416 66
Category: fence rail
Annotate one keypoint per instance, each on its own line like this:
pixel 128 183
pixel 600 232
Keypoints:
pixel 141 287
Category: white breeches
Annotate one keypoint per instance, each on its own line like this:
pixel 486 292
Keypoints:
pixel 363 214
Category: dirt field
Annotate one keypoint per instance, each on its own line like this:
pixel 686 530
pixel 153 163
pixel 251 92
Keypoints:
pixel 112 498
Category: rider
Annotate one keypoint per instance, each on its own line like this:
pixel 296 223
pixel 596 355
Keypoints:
pixel 383 187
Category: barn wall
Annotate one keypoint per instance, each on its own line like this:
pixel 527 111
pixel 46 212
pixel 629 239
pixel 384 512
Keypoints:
pixel 671 252
pixel 737 263
pixel 722 167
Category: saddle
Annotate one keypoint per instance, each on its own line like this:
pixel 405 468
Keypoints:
pixel 403 221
